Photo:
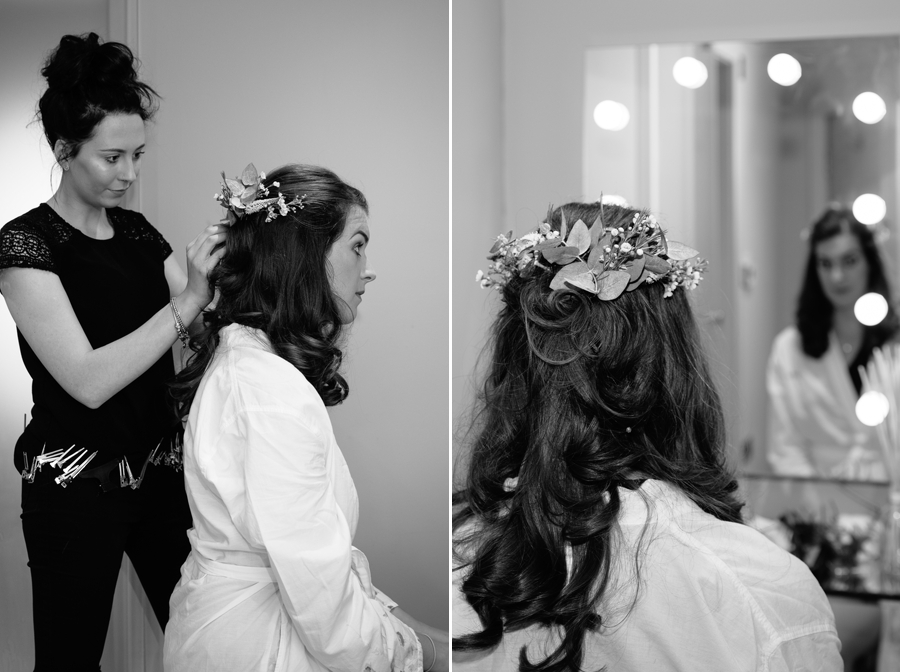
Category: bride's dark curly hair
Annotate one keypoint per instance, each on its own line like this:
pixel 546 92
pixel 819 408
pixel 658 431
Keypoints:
pixel 582 396
pixel 274 277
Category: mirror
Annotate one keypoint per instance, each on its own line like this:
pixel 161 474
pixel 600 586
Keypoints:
pixel 741 165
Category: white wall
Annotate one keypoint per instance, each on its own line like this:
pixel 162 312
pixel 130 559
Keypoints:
pixel 478 186
pixel 362 89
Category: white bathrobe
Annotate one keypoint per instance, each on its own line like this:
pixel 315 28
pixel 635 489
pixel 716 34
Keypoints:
pixel 813 429
pixel 710 596
pixel 272 582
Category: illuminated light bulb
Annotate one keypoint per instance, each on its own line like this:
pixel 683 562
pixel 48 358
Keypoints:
pixel 870 309
pixel 872 408
pixel 689 72
pixel 614 199
pixel 869 108
pixel 869 208
pixel 611 116
pixel 784 69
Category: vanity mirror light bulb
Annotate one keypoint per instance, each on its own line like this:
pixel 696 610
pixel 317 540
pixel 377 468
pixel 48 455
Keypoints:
pixel 614 199
pixel 872 408
pixel 784 69
pixel 869 108
pixel 869 208
pixel 870 309
pixel 689 72
pixel 611 116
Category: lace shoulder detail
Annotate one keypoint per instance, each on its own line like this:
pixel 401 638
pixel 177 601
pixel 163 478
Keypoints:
pixel 28 240
pixel 134 226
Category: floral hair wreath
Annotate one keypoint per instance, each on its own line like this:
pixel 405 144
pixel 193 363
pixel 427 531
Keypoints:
pixel 240 197
pixel 604 261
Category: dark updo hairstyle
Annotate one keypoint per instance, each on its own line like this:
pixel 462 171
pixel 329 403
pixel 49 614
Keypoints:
pixel 86 81
pixel 274 277
pixel 582 396
pixel 815 311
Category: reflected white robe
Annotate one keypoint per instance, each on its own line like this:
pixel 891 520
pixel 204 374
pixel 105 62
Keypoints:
pixel 813 429
pixel 713 596
pixel 272 582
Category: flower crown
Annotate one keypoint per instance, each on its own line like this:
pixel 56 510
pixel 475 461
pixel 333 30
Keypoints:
pixel 239 197
pixel 604 261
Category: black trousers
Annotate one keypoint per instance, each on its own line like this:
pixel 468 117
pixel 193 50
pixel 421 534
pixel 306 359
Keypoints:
pixel 75 537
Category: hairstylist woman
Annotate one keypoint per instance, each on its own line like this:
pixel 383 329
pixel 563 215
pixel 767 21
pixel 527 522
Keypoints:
pixel 89 285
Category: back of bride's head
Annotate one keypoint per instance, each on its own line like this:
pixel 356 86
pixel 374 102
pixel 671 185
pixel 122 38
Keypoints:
pixel 595 381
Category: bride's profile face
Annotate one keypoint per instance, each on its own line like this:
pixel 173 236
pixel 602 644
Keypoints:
pixel 348 266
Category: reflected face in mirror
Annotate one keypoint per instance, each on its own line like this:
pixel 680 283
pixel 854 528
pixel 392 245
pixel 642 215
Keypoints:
pixel 842 269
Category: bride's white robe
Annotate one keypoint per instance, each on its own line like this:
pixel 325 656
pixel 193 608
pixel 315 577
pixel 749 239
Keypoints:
pixel 813 429
pixel 272 582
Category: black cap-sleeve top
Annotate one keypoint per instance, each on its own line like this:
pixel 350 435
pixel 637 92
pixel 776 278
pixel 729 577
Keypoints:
pixel 114 286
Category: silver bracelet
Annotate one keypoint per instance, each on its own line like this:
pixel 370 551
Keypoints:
pixel 179 325
pixel 433 657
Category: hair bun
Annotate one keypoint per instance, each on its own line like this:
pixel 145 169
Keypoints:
pixel 86 80
pixel 82 61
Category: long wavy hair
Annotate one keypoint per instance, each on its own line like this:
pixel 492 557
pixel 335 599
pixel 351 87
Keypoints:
pixel 581 396
pixel 274 277
pixel 814 309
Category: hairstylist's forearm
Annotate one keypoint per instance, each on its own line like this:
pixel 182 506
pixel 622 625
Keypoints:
pixel 42 312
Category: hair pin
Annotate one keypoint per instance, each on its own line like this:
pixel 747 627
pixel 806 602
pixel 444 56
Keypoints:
pixel 125 475
pixel 55 462
pixel 155 457
pixel 140 479
pixel 44 458
pixel 67 462
pixel 28 474
pixel 174 457
pixel 74 469
pixel 37 463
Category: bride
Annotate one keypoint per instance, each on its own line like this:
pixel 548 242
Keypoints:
pixel 272 581
pixel 599 527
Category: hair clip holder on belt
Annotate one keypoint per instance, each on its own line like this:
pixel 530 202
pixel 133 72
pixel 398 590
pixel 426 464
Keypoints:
pixel 71 462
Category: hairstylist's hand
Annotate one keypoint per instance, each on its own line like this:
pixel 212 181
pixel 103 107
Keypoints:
pixel 202 256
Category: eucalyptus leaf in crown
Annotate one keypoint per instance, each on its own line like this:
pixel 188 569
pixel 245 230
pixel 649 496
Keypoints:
pixel 239 197
pixel 604 261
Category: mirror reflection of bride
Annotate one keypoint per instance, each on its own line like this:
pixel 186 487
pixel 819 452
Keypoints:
pixel 813 376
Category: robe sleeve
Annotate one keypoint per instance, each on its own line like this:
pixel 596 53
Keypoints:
pixel 816 652
pixel 292 512
pixel 785 449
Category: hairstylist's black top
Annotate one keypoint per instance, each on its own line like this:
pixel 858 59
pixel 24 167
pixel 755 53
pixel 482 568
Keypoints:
pixel 114 287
